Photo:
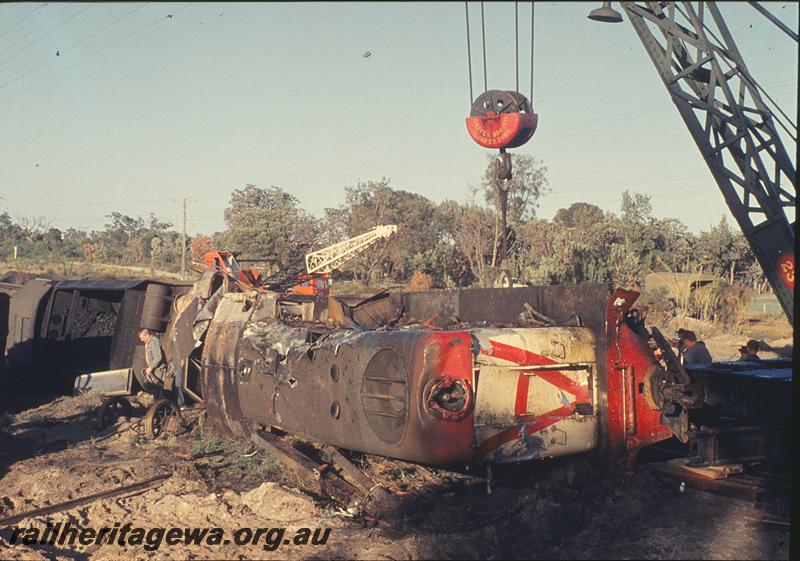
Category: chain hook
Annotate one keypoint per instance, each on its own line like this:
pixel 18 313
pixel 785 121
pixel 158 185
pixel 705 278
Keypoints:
pixel 503 170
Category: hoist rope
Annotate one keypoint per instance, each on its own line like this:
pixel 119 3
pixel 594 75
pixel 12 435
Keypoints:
pixel 469 53
pixel 483 48
pixel 531 97
pixel 483 39
pixel 516 42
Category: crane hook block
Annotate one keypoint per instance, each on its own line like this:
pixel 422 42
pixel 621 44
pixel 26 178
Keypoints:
pixel 501 119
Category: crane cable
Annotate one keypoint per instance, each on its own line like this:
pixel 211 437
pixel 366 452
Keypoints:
pixel 483 41
pixel 483 46
pixel 516 44
pixel 533 6
pixel 469 53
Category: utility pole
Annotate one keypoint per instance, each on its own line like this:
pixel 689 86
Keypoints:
pixel 184 221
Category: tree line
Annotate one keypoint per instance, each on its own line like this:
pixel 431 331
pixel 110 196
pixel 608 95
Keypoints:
pixel 448 244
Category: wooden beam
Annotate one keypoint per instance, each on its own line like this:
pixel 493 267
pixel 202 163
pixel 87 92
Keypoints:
pixel 307 471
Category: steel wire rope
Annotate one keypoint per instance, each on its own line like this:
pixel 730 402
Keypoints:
pixel 73 45
pixel 532 27
pixel 516 43
pixel 483 40
pixel 469 53
pixel 23 18
pixel 115 43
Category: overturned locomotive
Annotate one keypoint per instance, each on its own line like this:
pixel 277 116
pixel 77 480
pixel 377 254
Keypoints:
pixel 465 376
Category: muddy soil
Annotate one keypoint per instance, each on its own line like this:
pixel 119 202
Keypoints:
pixel 51 451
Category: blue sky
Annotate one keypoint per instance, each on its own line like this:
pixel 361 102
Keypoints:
pixel 117 107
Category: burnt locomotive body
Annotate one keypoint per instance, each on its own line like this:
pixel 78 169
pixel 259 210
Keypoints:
pixel 488 388
pixel 437 396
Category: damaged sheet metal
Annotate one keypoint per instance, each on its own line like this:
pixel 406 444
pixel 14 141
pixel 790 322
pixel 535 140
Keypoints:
pixel 528 382
pixel 433 396
pixel 381 310
pixel 109 382
pixel 535 393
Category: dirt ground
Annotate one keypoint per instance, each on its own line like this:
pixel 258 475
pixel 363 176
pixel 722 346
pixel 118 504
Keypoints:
pixel 52 452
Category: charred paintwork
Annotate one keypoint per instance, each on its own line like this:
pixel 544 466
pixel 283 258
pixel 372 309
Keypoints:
pixel 433 396
pixel 273 374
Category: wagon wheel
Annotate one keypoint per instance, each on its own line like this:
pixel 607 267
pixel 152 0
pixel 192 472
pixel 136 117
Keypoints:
pixel 162 416
pixel 112 409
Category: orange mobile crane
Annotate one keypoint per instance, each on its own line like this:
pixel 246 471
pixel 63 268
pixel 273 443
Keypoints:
pixel 319 264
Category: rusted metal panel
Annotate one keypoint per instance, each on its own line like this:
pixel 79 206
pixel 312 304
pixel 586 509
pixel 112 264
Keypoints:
pixel 220 357
pixel 409 393
pixel 24 321
pixel 358 390
pixel 379 310
pixel 109 382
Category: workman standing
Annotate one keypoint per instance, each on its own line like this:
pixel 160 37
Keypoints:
pixel 695 352
pixel 156 369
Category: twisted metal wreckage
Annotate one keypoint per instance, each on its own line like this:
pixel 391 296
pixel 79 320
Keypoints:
pixel 439 377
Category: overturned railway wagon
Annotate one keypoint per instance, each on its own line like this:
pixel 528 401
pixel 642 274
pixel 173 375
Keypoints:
pixel 58 329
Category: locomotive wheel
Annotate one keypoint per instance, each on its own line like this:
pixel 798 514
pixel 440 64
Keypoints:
pixel 161 417
pixel 112 409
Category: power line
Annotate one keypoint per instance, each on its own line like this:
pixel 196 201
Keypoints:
pixel 73 16
pixel 23 18
pixel 94 202
pixel 19 39
pixel 50 59
pixel 115 43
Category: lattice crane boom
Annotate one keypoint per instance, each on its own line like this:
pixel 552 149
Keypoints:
pixel 327 259
pixel 721 105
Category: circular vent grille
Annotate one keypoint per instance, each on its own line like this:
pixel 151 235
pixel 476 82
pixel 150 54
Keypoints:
pixel 383 395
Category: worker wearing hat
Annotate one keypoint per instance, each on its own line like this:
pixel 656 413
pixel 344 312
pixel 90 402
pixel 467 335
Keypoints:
pixel 749 351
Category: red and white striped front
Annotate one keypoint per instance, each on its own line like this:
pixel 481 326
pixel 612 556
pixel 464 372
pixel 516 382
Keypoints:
pixel 535 393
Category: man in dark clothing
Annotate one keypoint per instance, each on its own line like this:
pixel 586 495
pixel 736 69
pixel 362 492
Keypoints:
pixel 695 352
pixel 678 343
pixel 750 350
